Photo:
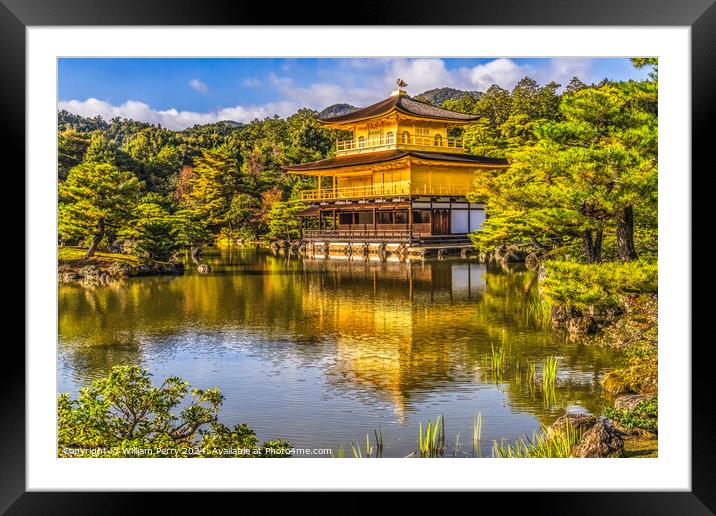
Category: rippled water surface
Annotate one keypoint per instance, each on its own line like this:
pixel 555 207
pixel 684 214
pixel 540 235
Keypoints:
pixel 320 352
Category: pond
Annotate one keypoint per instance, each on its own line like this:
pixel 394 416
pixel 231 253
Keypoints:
pixel 320 352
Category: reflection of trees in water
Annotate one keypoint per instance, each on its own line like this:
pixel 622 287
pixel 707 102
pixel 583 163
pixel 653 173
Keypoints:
pixel 397 331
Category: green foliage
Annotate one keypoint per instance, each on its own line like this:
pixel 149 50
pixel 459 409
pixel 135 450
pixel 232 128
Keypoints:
pixel 222 177
pixel 69 121
pixel 124 415
pixel 283 221
pixel 577 166
pixel 191 228
pixel 94 198
pixel 582 286
pixel 645 415
pixel 71 148
pixel 215 182
pixel 155 230
pixel 243 214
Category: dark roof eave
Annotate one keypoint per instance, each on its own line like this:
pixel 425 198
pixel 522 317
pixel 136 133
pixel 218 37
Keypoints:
pixel 401 103
pixel 393 155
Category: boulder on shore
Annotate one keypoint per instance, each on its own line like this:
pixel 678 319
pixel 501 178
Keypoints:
pixel 90 272
pixel 120 270
pixel 629 402
pixel 581 422
pixel 68 276
pixel 601 440
pixel 509 254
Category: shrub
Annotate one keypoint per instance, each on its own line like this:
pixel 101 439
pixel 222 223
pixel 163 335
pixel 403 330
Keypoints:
pixel 124 415
pixel 645 415
pixel 599 285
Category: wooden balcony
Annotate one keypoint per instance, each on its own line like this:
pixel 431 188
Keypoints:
pixel 370 232
pixel 358 192
pixel 427 143
pixel 403 188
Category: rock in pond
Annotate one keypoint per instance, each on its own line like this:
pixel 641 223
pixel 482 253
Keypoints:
pixel 203 268
pixel 532 261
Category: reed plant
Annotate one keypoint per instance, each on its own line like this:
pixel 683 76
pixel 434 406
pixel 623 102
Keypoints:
pixel 378 442
pixel 532 374
pixel 497 359
pixel 549 371
pixel 476 434
pixel 431 443
pixel 549 381
pixel 539 314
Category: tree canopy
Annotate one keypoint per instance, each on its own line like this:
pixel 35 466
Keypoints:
pixel 581 169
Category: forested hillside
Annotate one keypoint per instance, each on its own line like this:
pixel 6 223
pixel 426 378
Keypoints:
pixel 439 95
pixel 336 110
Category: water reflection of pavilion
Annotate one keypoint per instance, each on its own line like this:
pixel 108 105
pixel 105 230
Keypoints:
pixel 385 316
pixel 454 280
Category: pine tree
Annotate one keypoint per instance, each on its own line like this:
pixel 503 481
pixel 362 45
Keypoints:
pixel 94 198
pixel 215 182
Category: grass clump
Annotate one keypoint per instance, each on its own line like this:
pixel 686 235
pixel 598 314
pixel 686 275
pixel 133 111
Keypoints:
pixel 549 444
pixel 549 371
pixel 368 450
pixel 497 358
pixel 431 443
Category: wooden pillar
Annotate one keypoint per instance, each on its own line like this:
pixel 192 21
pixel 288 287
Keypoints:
pixel 410 221
pixel 334 186
pixel 375 219
pixel 319 186
pixel 335 225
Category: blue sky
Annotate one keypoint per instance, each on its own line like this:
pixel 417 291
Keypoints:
pixel 181 92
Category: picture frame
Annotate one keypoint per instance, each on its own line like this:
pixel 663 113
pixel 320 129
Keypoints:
pixel 16 16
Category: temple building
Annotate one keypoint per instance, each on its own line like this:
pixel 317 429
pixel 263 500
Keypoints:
pixel 401 178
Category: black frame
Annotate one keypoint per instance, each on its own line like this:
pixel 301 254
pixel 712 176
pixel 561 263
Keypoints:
pixel 700 15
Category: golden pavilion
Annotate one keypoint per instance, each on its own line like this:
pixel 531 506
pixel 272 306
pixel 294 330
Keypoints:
pixel 400 178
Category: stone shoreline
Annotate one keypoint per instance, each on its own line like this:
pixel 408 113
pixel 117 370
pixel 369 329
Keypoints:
pixel 102 275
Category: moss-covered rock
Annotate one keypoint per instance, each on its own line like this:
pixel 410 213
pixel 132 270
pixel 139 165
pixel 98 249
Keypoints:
pixel 640 378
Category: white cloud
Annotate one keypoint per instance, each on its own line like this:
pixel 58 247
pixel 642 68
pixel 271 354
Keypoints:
pixel 198 85
pixel 503 72
pixel 561 70
pixel 359 82
pixel 251 82
pixel 173 118
pixel 322 94
pixel 364 81
pixel 374 79
pixel 420 74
